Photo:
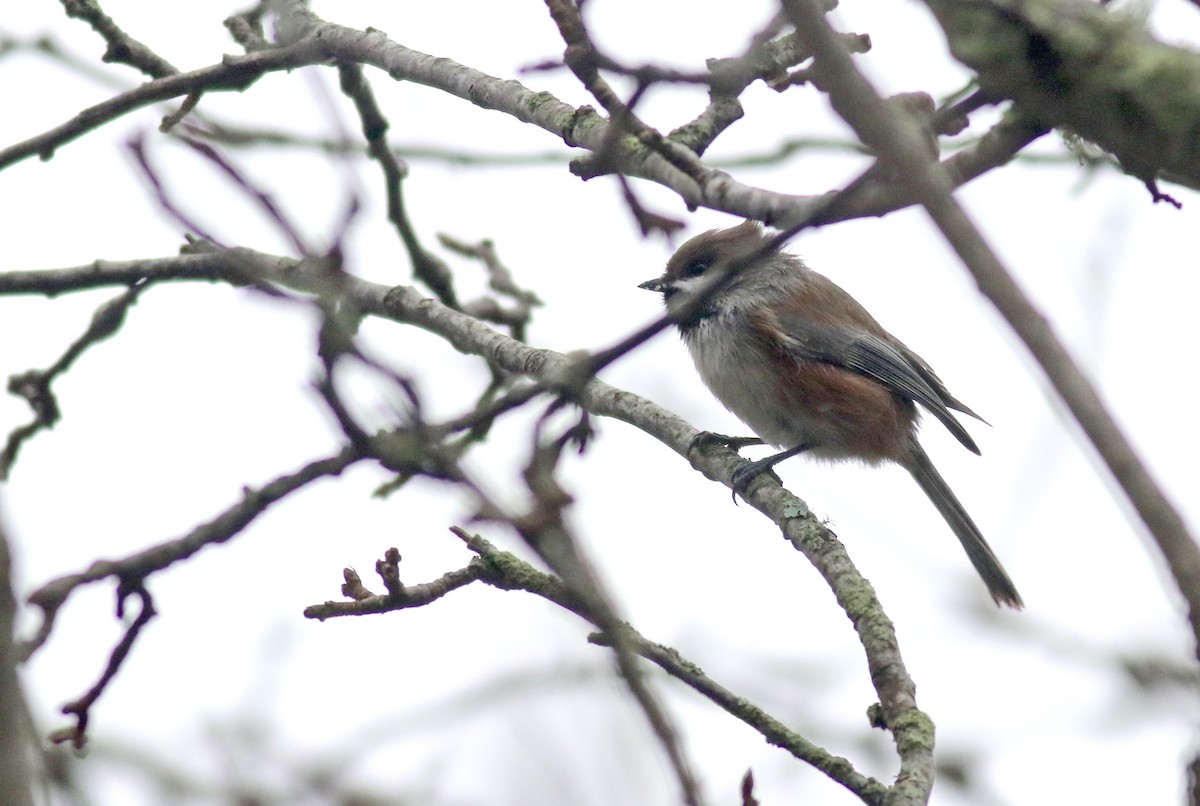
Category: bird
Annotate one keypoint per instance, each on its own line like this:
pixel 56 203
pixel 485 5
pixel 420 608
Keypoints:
pixel 809 370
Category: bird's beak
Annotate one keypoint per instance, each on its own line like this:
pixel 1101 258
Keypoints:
pixel 657 284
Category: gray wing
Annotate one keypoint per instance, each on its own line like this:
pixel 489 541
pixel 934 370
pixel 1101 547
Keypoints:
pixel 931 377
pixel 870 355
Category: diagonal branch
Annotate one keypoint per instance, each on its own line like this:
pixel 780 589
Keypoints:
pixel 34 385
pixel 834 767
pixel 122 48
pixel 897 142
pixel 54 594
pixel 427 266
pixel 81 708
pixel 1100 74
pixel 235 74
pixel 583 127
pixel 506 571
pixel 554 371
pixel 310 40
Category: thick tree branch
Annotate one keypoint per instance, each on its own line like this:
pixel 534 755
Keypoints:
pixel 310 40
pixel 1078 65
pixel 18 738
pixel 899 144
pixel 803 530
pixel 581 128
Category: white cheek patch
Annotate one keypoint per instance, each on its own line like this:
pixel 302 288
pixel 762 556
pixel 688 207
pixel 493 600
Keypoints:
pixel 687 289
pixel 689 285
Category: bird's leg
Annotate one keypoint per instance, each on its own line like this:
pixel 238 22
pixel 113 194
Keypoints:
pixel 746 473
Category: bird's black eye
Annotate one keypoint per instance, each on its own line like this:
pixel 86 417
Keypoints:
pixel 696 269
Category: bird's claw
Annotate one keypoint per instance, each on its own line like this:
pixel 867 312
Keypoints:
pixel 707 439
pixel 745 474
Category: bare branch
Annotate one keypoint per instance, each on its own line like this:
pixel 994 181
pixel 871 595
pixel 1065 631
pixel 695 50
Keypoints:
pixel 835 767
pixel 19 736
pixel 545 530
pixel 50 48
pixel 122 48
pixel 581 57
pixel 34 385
pixel 399 597
pixel 697 185
pixel 766 59
pixel 210 266
pixel 554 372
pixel 131 569
pixel 899 144
pixel 246 28
pixel 506 571
pixel 428 267
pixel 235 74
pixel 1074 64
pixel 501 280
pixel 81 708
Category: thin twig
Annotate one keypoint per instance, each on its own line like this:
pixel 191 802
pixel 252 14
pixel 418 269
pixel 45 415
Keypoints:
pixel 427 266
pixel 50 598
pixel 82 707
pixel 364 602
pixel 838 769
pixel 122 48
pixel 545 530
pixel 234 74
pixel 506 571
pixel 501 280
pixel 34 385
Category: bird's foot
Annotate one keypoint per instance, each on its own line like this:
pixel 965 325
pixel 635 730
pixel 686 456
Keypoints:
pixel 744 475
pixel 707 439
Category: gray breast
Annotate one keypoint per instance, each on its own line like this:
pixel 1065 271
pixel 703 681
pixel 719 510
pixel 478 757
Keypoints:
pixel 738 373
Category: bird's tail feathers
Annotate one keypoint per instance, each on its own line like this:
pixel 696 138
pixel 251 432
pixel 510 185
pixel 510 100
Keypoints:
pixel 980 553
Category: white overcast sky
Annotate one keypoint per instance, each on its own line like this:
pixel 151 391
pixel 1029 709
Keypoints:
pixel 207 390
